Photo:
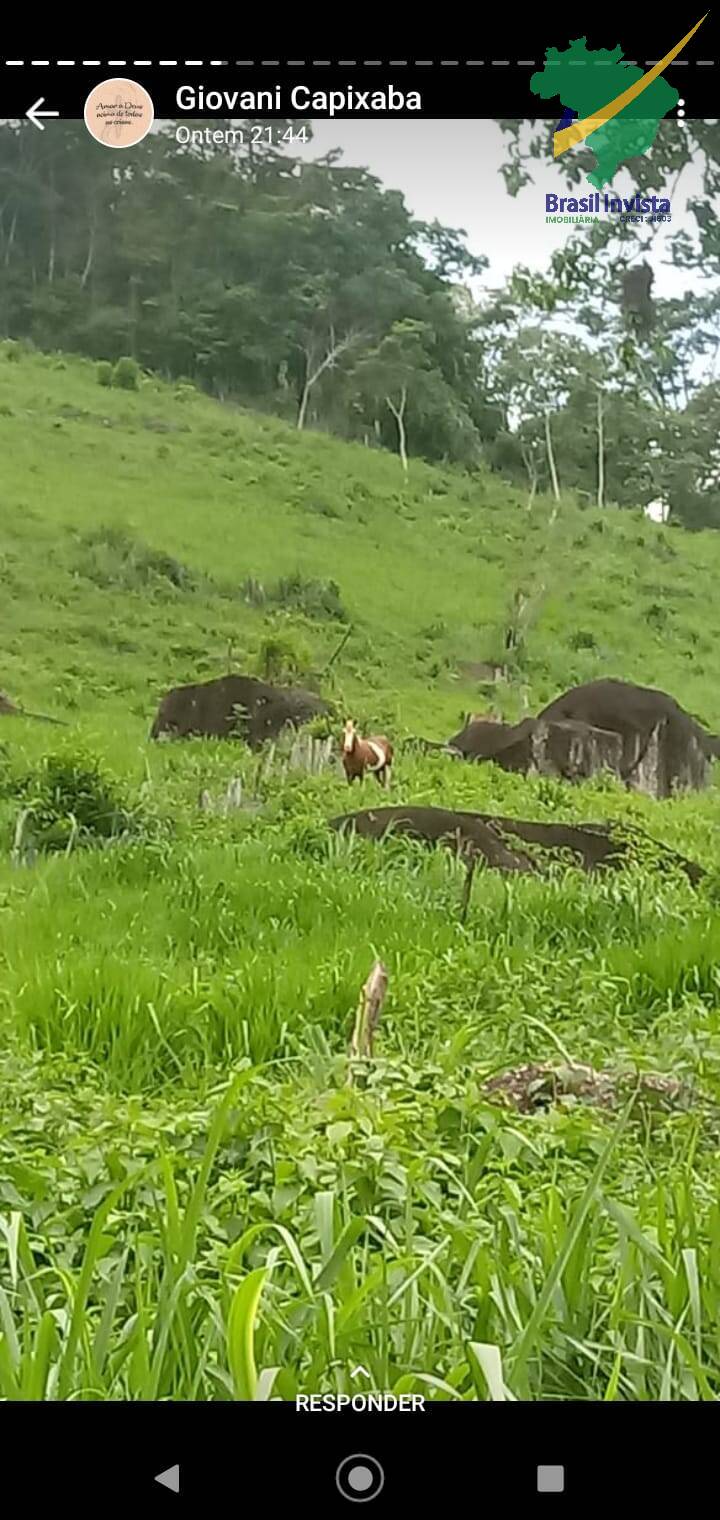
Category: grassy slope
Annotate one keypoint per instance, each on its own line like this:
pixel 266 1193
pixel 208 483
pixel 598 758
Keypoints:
pixel 233 495
pixel 135 981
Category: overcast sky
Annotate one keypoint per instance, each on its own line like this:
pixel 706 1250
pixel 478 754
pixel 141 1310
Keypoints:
pixel 449 170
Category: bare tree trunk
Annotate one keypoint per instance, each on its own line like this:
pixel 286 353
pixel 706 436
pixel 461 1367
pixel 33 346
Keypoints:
pixel 51 254
pixel 90 256
pixel 133 309
pixel 305 394
pixel 11 239
pixel 335 349
pixel 551 461
pixel 531 467
pixel 399 415
pixel 601 450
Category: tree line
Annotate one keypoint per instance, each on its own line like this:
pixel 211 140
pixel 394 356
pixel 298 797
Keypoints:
pixel 308 289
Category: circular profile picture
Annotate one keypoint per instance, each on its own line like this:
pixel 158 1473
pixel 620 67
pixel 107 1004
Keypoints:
pixel 119 113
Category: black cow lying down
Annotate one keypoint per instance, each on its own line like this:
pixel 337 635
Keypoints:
pixel 500 840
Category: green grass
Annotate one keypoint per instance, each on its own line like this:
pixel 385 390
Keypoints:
pixel 193 1202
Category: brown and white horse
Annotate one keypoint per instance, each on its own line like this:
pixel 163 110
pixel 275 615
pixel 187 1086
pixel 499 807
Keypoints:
pixel 360 755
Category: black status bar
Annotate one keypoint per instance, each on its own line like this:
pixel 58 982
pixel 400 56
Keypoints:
pixel 495 83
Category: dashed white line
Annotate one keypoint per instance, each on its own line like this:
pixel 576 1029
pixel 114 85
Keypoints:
pixel 326 63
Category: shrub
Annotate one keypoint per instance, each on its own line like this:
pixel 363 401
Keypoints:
pixel 126 375
pixel 582 639
pixel 253 592
pixel 283 656
pixel 104 372
pixel 658 617
pixel 70 801
pixel 11 350
pixel 320 507
pixel 313 598
pixel 112 557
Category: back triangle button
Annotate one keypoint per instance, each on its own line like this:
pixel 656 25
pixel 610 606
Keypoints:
pixel 170 1478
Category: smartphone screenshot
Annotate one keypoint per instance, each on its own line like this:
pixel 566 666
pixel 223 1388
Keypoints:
pixel 359 815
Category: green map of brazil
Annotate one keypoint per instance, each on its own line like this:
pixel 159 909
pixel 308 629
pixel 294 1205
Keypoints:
pixel 584 81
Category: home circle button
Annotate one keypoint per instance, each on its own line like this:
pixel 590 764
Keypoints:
pixel 360 1478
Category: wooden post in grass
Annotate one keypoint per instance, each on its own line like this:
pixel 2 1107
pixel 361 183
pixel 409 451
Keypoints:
pixel 367 1018
pixel 233 795
pixel 336 651
pixel 18 849
pixel 470 864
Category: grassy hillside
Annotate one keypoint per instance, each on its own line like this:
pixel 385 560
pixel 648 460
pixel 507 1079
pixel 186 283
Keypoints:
pixel 426 573
pixel 175 1000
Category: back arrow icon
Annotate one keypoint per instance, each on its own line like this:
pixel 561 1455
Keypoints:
pixel 34 113
pixel 170 1478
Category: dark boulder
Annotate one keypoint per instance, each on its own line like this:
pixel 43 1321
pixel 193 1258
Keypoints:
pixel 664 749
pixel 234 707
pixel 626 709
pixel 641 735
pixel 501 840
pixel 574 751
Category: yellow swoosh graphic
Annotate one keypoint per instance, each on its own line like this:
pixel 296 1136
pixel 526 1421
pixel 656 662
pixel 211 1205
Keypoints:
pixel 579 130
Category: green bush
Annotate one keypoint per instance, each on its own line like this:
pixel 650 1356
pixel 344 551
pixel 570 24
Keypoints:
pixel 283 657
pixel 313 598
pixel 582 639
pixel 126 375
pixel 104 372
pixel 253 592
pixel 11 350
pixel 185 390
pixel 70 801
pixel 112 557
